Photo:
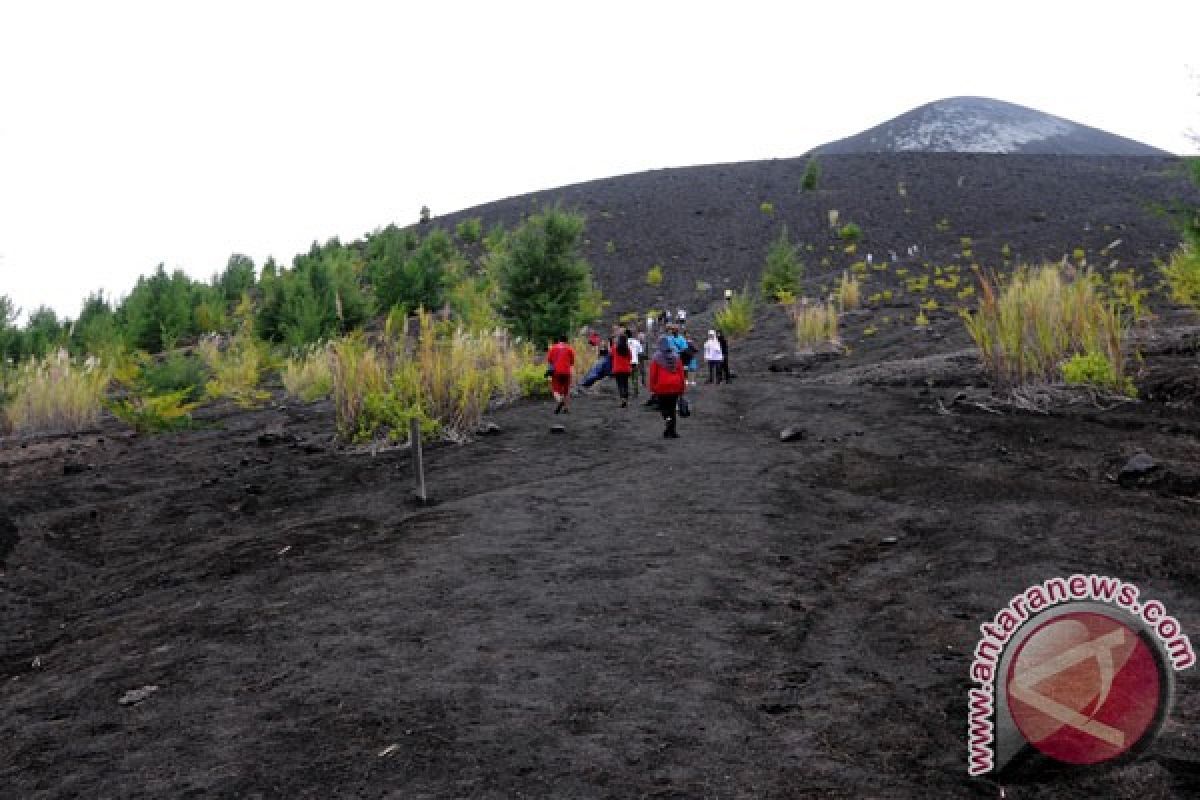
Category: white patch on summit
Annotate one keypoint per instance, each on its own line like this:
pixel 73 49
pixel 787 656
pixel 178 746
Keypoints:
pixel 964 127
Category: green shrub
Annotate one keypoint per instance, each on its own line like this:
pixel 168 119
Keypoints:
pixel 783 268
pixel 177 372
pixel 736 319
pixel 850 232
pixel 1094 369
pixel 766 207
pixel 469 231
pixel 812 176
pixel 1183 276
pixel 532 380
pixel 654 276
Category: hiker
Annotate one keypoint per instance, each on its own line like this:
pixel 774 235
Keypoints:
pixel 690 356
pixel 637 348
pixel 681 316
pixel 721 340
pixel 667 382
pixel 561 358
pixel 622 365
pixel 714 357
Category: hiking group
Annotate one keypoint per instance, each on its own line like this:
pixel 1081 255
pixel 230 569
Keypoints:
pixel 673 365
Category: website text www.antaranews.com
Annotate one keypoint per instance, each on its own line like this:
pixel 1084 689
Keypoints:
pixel 1029 603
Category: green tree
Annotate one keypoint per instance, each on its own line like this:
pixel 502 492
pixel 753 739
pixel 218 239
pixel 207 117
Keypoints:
pixel 97 330
pixel 812 175
pixel 783 269
pixel 542 277
pixel 159 310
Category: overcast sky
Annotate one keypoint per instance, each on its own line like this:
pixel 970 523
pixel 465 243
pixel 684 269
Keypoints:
pixel 133 133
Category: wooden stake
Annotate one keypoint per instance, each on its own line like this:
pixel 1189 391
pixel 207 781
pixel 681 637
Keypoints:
pixel 414 438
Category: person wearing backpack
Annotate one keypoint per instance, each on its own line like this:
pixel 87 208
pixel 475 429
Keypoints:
pixel 622 365
pixel 668 383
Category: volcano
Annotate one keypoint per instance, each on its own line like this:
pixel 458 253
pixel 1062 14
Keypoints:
pixel 984 125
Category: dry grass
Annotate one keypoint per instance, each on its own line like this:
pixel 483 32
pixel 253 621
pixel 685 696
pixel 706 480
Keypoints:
pixel 849 292
pixel 309 376
pixel 445 379
pixel 1027 328
pixel 236 368
pixel 816 324
pixel 57 394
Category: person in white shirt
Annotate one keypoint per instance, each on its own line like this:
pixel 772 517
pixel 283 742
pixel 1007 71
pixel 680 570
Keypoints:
pixel 681 316
pixel 639 368
pixel 714 357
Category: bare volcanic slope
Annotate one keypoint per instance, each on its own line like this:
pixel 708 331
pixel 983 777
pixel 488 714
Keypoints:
pixel 984 125
pixel 709 226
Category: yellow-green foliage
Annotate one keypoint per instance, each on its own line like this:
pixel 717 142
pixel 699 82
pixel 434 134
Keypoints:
pixel 1028 327
pixel 155 413
pixel 1183 276
pixel 1094 369
pixel 942 225
pixel 965 292
pixel 766 207
pixel 309 376
pixel 235 369
pixel 785 297
pixel 629 318
pixel 1129 297
pixel 949 282
pixel 736 319
pixel 859 268
pixel 930 305
pixel 921 321
pixel 654 276
pixel 816 324
pixel 849 292
pixel 57 394
pixel 917 284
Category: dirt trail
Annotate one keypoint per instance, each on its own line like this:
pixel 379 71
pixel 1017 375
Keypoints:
pixel 601 613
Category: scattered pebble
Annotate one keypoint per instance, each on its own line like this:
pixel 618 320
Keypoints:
pixel 135 696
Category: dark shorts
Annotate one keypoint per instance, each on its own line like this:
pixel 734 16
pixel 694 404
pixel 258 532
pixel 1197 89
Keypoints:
pixel 560 384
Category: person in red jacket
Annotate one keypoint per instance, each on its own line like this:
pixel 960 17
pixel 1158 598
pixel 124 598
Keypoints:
pixel 561 358
pixel 622 365
pixel 668 383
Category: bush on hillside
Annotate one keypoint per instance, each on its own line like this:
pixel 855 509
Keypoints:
pixel 736 319
pixel 812 175
pixel 783 269
pixel 56 394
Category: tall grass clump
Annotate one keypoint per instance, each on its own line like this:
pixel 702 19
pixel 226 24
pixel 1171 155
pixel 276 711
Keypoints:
pixel 816 324
pixel 56 394
pixel 1183 275
pixel 737 317
pixel 236 368
pixel 308 376
pixel 849 292
pixel 1028 328
pixel 444 379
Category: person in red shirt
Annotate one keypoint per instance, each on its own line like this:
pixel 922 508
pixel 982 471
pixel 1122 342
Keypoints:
pixel 622 365
pixel 561 358
pixel 667 382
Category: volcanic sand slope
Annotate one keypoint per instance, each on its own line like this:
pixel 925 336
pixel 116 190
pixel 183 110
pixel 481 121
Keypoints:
pixel 705 224
pixel 596 614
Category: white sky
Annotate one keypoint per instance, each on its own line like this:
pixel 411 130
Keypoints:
pixel 133 133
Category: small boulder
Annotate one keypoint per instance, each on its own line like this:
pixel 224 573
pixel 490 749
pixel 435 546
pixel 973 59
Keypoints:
pixel 1139 470
pixel 135 696
pixel 558 428
pixel 489 429
pixel 792 434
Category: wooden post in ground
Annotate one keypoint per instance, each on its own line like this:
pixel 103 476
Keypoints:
pixel 414 439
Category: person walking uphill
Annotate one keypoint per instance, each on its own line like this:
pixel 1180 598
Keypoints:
pixel 714 356
pixel 561 358
pixel 667 383
pixel 622 365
